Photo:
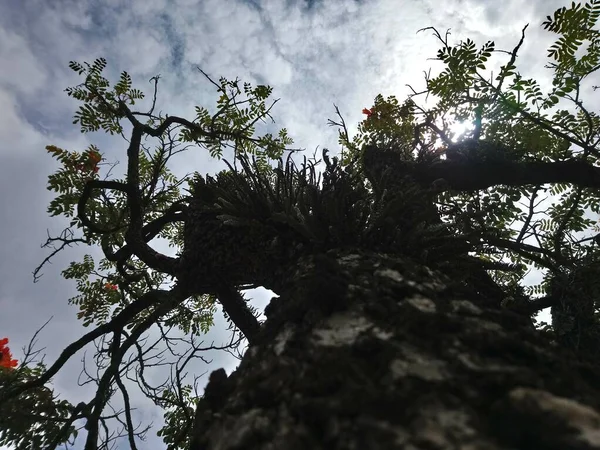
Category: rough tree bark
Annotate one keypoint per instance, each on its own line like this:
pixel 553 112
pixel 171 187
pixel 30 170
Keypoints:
pixel 369 351
pixel 363 349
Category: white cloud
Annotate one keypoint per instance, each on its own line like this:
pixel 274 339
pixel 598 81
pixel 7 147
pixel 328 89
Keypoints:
pixel 20 139
pixel 145 53
pixel 21 71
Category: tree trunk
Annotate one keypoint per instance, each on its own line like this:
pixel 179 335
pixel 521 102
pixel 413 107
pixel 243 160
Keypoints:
pixel 366 351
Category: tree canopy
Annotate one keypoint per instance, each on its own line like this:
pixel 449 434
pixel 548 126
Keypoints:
pixel 518 191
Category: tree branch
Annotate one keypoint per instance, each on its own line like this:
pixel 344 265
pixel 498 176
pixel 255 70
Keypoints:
pixel 475 175
pixel 176 295
pixel 234 305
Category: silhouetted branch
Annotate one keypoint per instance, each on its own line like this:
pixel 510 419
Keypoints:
pixel 472 176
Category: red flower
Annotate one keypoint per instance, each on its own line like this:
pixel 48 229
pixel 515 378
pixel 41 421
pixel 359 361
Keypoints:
pixel 368 112
pixel 6 359
pixel 91 164
pixel 111 286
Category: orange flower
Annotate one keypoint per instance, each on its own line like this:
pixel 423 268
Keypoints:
pixel 368 112
pixel 111 286
pixel 94 157
pixel 6 359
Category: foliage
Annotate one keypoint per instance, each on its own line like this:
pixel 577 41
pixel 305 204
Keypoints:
pixel 179 411
pixel 325 211
pixel 22 421
pixel 98 110
pixel 535 124
pixel 388 125
pixel 101 109
pixel 104 295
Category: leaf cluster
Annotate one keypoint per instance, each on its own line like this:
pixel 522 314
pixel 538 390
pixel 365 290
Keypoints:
pixel 101 107
pixel 20 423
pixel 541 227
pixel 105 296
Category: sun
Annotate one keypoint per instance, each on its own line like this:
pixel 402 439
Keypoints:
pixel 457 129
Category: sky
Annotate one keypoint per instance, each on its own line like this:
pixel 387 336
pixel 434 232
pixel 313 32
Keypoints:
pixel 313 53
